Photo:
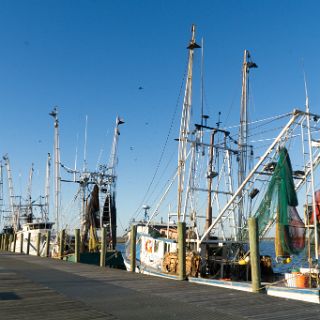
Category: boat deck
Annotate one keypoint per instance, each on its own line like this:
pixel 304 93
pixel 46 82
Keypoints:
pixel 37 288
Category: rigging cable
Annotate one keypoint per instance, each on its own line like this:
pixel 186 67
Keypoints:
pixel 137 211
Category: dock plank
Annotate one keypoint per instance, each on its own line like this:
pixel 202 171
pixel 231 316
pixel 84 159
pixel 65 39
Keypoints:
pixel 79 291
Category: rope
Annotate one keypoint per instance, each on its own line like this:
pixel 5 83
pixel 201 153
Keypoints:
pixel 136 213
pixel 270 119
pixel 284 280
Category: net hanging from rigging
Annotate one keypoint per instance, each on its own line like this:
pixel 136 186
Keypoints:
pixel 279 205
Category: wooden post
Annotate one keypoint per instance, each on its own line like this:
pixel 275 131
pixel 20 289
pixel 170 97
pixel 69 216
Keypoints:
pixel 1 241
pixel 8 242
pixel 182 250
pixel 103 248
pixel 21 242
pixel 77 245
pixel 28 242
pixel 11 242
pixel 61 245
pixel 133 237
pixel 14 242
pixel 254 254
pixel 5 240
pixel 38 243
pixel 48 244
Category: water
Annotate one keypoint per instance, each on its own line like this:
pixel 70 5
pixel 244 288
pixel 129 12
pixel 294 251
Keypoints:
pixel 301 260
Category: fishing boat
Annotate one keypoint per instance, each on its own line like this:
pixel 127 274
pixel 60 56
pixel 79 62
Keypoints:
pixel 27 219
pixel 97 190
pixel 267 169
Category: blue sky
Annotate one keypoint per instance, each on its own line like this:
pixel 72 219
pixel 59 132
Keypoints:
pixel 90 58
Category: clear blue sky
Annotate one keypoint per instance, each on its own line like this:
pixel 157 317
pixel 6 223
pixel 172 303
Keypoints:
pixel 90 58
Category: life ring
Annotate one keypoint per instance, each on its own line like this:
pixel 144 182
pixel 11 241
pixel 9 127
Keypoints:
pixel 148 246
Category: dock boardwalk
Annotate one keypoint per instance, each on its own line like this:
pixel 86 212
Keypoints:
pixel 42 288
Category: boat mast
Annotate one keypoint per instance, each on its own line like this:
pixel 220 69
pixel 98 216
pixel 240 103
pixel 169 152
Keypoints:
pixel 13 207
pixel 114 149
pixel 1 193
pixel 243 132
pixel 54 114
pixel 185 121
pixel 113 180
pixel 210 177
pixel 84 181
pixel 47 189
pixel 85 167
pixel 310 151
pixel 29 195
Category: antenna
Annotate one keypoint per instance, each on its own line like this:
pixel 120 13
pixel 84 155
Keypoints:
pixel 219 120
pixel 99 158
pixel 76 160
pixel 47 188
pixel 85 146
pixel 306 90
pixel 202 80
pixel 29 194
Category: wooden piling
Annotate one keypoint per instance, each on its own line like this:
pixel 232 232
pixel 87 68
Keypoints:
pixel 4 246
pixel 254 254
pixel 61 244
pixel 182 250
pixel 38 243
pixel 21 242
pixel 48 243
pixel 14 242
pixel 28 242
pixel 2 242
pixel 133 252
pixel 10 242
pixel 103 248
pixel 77 245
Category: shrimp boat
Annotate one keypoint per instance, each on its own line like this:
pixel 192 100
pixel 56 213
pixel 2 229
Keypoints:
pixel 268 169
pixel 28 219
pixel 97 193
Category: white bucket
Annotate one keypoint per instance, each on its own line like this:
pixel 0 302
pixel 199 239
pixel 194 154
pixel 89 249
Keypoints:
pixel 290 279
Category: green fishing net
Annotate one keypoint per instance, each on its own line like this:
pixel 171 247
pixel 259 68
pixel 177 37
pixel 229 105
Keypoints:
pixel 279 205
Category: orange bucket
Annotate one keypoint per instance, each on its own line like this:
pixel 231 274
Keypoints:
pixel 302 281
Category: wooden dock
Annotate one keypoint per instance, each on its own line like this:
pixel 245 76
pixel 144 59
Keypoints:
pixel 43 288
